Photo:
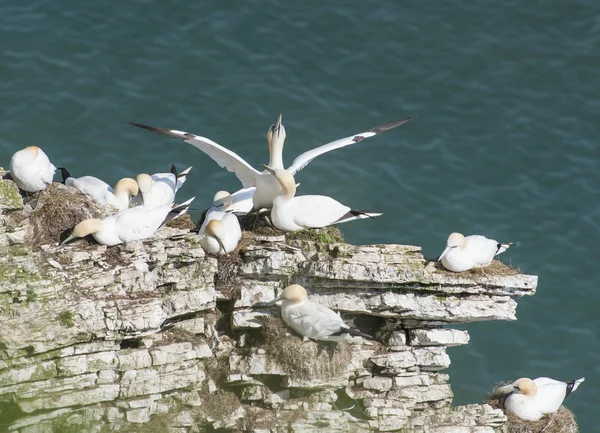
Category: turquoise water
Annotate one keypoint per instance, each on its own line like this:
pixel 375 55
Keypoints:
pixel 506 95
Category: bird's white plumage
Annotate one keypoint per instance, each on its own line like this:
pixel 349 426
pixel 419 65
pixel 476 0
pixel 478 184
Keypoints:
pixel 99 191
pixel 241 202
pixel 266 188
pixel 470 252
pixel 31 169
pixel 131 224
pixel 231 232
pixel 290 213
pixel 307 211
pixel 303 159
pixel 311 320
pixel 128 225
pixel 222 156
pixel 531 403
pixel 162 191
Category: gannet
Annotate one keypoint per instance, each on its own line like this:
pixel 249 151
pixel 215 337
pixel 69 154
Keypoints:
pixel 100 191
pixel 291 213
pixel 464 253
pixel 220 232
pixel 128 225
pixel 160 188
pixel 312 320
pixel 31 169
pixel 532 399
pixel 266 188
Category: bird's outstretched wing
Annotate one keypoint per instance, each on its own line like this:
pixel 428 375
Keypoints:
pixel 221 155
pixel 302 160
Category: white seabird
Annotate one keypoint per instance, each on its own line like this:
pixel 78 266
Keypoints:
pixel 532 399
pixel 312 320
pixel 100 191
pixel 31 169
pixel 266 187
pixel 220 231
pixel 128 225
pixel 159 189
pixel 291 213
pixel 475 251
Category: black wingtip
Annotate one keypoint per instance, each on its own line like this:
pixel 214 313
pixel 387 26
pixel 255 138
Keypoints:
pixel 64 173
pixel 174 170
pixel 163 131
pixel 381 128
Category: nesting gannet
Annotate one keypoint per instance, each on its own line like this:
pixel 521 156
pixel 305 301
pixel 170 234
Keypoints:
pixel 220 232
pixel 128 225
pixel 100 191
pixel 312 320
pixel 160 188
pixel 532 399
pixel 266 187
pixel 31 169
pixel 291 213
pixel 464 253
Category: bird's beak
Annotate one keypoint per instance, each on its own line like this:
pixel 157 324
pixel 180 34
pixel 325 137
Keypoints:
pixel 444 253
pixel 506 389
pixel 269 169
pixel 278 123
pixel 277 299
pixel 268 303
pixel 221 244
pixel 67 240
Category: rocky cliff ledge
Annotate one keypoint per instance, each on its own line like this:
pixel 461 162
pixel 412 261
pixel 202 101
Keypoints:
pixel 158 336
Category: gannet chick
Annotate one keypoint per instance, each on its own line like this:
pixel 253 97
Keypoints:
pixel 31 169
pixel 266 187
pixel 128 225
pixel 100 191
pixel 464 253
pixel 160 188
pixel 312 320
pixel 220 232
pixel 532 399
pixel 291 213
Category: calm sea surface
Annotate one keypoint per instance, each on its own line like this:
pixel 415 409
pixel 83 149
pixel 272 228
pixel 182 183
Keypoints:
pixel 505 143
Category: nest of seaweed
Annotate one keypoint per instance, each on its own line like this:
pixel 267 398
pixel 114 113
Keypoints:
pixel 562 421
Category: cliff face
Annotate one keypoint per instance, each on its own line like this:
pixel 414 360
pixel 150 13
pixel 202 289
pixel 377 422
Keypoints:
pixel 158 336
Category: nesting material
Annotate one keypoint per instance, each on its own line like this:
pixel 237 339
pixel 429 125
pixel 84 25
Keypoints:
pixel 304 360
pixel 59 209
pixel 184 222
pixel 496 268
pixel 326 235
pixel 562 421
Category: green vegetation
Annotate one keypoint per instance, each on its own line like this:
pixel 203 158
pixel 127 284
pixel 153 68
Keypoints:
pixel 31 296
pixel 66 319
pixel 326 235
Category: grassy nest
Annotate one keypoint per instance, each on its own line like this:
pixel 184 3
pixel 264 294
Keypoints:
pixel 496 268
pixel 185 221
pixel 303 360
pixel 326 235
pixel 59 209
pixel 562 421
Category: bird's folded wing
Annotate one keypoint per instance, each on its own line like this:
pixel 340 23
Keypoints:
pixel 317 210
